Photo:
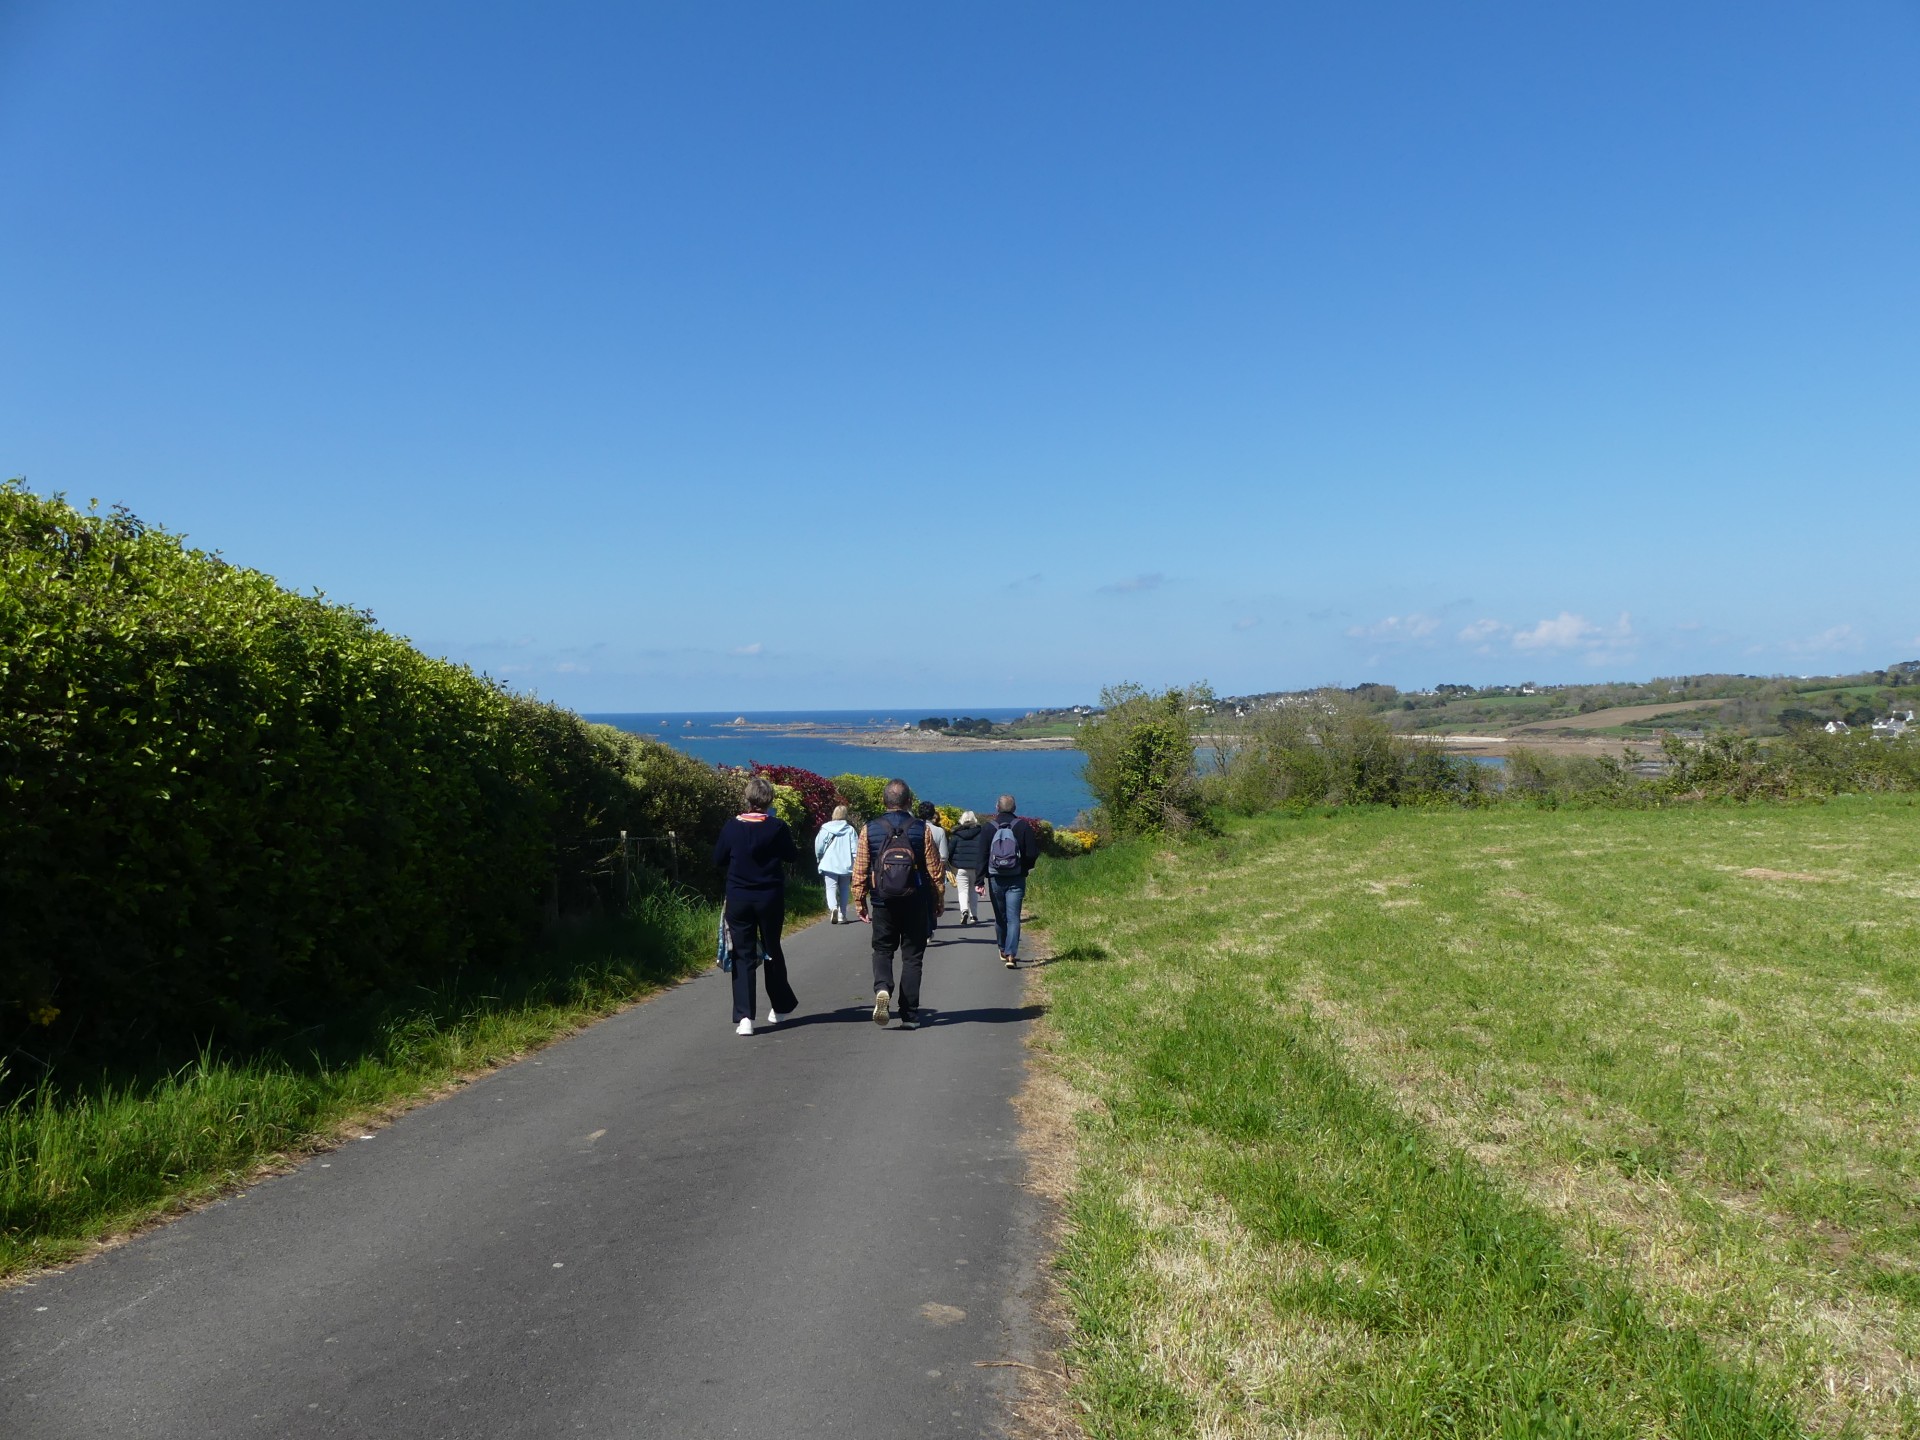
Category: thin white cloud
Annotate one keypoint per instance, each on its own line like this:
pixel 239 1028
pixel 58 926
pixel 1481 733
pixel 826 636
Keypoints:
pixel 753 649
pixel 1567 631
pixel 1246 622
pixel 569 667
pixel 1134 584
pixel 1482 633
pixel 1833 639
pixel 1415 626
pixel 1563 633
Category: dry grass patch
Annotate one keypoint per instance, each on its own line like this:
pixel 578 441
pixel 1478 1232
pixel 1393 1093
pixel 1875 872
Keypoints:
pixel 1698 1085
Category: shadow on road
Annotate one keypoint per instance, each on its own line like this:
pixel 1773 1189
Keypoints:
pixel 850 1014
pixel 991 1015
pixel 929 1015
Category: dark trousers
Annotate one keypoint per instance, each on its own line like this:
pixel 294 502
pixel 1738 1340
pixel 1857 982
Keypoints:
pixel 901 925
pixel 754 918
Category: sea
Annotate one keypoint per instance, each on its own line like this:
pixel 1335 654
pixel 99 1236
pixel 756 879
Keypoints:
pixel 1047 783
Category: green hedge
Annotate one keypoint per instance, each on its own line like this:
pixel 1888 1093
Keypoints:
pixel 863 794
pixel 230 810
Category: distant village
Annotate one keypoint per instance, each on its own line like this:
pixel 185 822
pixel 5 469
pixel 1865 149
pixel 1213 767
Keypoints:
pixel 1686 705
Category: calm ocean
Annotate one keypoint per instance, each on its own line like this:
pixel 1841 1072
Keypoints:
pixel 1046 782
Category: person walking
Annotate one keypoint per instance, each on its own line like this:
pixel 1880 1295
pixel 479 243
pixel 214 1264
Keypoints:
pixel 833 851
pixel 927 816
pixel 1012 852
pixel 895 863
pixel 752 850
pixel 967 858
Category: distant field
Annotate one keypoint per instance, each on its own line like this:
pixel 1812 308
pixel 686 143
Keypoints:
pixel 1620 715
pixel 1024 730
pixel 1504 1123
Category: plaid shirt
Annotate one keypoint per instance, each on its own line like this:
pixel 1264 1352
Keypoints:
pixel 863 868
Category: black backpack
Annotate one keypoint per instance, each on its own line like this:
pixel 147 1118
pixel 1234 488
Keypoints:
pixel 896 870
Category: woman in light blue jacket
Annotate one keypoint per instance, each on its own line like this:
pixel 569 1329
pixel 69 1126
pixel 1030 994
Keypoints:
pixel 833 850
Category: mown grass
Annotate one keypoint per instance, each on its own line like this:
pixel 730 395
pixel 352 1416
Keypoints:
pixel 88 1159
pixel 1496 1123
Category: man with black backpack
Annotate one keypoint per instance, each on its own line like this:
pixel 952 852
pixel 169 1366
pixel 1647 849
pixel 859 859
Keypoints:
pixel 900 884
pixel 1012 851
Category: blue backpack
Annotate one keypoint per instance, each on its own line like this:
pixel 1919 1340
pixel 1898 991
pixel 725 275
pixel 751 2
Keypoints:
pixel 1003 853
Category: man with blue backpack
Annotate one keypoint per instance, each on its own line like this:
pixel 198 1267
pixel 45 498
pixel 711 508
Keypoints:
pixel 1012 851
pixel 900 884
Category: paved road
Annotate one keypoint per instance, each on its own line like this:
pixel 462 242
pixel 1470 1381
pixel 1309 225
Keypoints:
pixel 656 1228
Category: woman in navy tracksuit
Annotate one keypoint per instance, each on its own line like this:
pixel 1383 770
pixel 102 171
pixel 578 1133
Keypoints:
pixel 753 849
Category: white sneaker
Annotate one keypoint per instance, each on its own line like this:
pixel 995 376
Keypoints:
pixel 881 999
pixel 774 1017
pixel 745 1027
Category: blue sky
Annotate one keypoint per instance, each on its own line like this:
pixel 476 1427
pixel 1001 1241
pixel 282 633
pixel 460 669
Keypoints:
pixel 762 356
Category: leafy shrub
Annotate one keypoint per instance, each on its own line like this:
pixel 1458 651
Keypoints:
pixel 661 792
pixel 788 806
pixel 1553 779
pixel 595 781
pixel 1042 828
pixel 1140 762
pixel 817 794
pixel 1330 751
pixel 863 794
pixel 947 817
pixel 1069 843
pixel 1804 763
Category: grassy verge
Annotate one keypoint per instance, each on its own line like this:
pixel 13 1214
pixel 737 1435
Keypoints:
pixel 1496 1123
pixel 85 1162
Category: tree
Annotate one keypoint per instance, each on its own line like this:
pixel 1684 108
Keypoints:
pixel 1140 763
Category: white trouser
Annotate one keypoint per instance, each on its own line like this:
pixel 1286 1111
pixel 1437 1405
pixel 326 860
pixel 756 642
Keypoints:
pixel 839 888
pixel 963 881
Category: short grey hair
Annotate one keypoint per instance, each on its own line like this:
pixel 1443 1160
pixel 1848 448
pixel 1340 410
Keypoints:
pixel 1008 805
pixel 759 793
pixel 897 795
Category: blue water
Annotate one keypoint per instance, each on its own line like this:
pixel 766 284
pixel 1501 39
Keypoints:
pixel 1046 782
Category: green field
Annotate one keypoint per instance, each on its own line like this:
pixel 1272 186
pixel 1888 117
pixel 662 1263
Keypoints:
pixel 1495 1123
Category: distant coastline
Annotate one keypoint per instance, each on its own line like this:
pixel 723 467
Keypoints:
pixel 1043 770
pixel 933 740
pixel 875 737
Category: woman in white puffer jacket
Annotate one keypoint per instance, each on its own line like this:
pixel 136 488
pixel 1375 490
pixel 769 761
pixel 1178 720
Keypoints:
pixel 833 853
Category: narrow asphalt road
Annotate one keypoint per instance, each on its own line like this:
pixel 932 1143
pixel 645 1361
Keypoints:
pixel 655 1228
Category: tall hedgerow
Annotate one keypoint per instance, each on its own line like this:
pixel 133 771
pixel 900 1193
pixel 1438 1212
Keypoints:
pixel 227 809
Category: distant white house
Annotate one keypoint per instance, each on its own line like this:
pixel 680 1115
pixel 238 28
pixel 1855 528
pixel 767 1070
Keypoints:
pixel 1838 727
pixel 1894 724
